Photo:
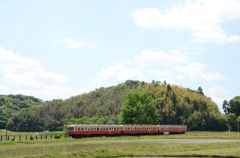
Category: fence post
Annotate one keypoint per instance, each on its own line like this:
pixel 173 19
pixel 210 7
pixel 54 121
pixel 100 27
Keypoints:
pixel 13 138
pixel 36 137
pixel 8 138
pixel 19 138
pixel 26 137
pixel 1 138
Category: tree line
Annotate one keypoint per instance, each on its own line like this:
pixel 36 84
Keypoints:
pixel 131 102
pixel 232 111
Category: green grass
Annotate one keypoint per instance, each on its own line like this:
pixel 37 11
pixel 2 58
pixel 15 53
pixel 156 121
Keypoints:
pixel 189 144
pixel 3 132
pixel 20 136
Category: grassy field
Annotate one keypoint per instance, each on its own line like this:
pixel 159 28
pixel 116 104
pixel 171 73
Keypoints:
pixel 189 144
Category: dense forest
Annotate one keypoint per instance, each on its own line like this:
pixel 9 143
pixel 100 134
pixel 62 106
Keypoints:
pixel 131 102
pixel 11 104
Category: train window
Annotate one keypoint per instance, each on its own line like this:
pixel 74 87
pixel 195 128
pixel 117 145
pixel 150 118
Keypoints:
pixel 70 128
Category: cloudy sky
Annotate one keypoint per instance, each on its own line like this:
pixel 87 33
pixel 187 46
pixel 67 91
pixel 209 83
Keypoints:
pixel 59 48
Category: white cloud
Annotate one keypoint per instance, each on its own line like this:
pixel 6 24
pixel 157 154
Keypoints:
pixel 178 65
pixel 116 73
pixel 218 94
pixel 202 17
pixel 27 76
pixel 74 43
pixel 172 57
pixel 161 73
pixel 172 66
pixel 212 76
pixel 216 90
pixel 194 70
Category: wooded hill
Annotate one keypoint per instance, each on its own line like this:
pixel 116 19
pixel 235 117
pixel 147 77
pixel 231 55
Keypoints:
pixel 11 104
pixel 173 105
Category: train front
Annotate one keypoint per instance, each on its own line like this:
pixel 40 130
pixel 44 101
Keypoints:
pixel 70 129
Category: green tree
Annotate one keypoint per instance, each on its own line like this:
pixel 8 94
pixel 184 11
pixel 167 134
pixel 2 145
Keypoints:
pixel 200 90
pixel 225 106
pixel 233 106
pixel 231 119
pixel 238 123
pixel 138 108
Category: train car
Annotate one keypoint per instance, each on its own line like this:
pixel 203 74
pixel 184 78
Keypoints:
pixel 98 130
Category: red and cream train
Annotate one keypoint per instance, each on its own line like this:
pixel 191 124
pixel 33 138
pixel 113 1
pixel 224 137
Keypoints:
pixel 96 130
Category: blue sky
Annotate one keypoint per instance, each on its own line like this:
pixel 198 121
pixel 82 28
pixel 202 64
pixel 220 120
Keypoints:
pixel 59 48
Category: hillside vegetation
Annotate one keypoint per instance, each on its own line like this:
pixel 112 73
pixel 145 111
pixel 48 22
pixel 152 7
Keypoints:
pixel 10 104
pixel 172 105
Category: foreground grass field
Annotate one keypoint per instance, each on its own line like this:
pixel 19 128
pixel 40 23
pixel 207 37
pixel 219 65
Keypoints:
pixel 189 144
